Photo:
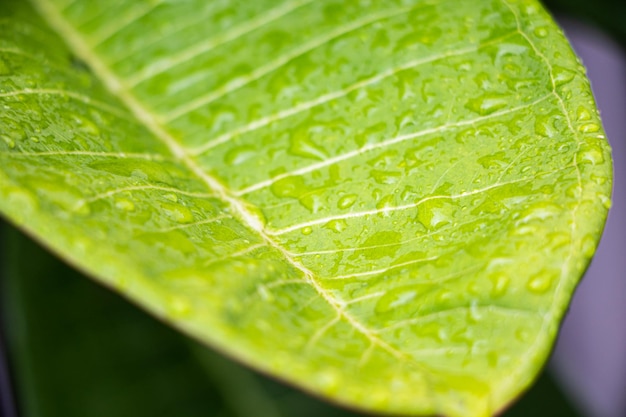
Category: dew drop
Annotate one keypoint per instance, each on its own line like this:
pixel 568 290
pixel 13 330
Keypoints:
pixel 10 142
pixel 582 114
pixel 589 128
pixel 592 154
pixel 328 381
pixel 239 155
pixel 301 145
pixel 541 32
pixel 289 187
pixel 500 282
pixel 562 75
pixel 307 230
pixel 523 334
pixel 179 307
pixel 486 104
pixel 85 125
pixel 336 226
pixel 347 201
pixel 541 282
pixel 178 213
pixel 171 197
pixel 588 245
pixel 125 204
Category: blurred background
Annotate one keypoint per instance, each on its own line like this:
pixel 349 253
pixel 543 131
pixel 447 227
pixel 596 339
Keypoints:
pixel 74 349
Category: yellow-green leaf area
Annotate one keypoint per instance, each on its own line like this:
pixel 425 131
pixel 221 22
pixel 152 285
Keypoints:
pixel 388 204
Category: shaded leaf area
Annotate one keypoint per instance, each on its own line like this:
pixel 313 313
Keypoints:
pixel 77 349
pixel 387 205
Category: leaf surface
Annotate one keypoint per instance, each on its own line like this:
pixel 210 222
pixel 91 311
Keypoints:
pixel 386 204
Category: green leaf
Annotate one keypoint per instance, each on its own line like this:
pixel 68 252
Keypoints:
pixel 143 368
pixel 387 204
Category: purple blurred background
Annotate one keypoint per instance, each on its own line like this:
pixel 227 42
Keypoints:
pixel 590 357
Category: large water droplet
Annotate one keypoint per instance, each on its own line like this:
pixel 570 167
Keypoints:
pixel 302 145
pixel 590 154
pixel 239 155
pixel 487 104
pixel 125 204
pixel 562 75
pixel 589 128
pixel 336 226
pixel 500 283
pixel 347 201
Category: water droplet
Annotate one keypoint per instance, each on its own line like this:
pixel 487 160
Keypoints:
pixel 85 125
pixel 179 307
pixel 589 128
pixel 239 154
pixel 171 197
pixel 432 214
pixel 385 204
pixel 10 142
pixel 314 202
pixel 541 282
pixel 544 126
pixel 336 226
pixel 562 75
pixel 500 283
pixel 289 187
pixel 539 211
pixel 591 154
pixel 582 114
pixel 347 201
pixel 588 245
pixel 385 177
pixel 523 334
pixel 178 213
pixel 474 311
pixel 125 204
pixel 301 145
pixel 307 230
pixel 541 32
pixel 328 381
pixel 487 104
pixel 394 299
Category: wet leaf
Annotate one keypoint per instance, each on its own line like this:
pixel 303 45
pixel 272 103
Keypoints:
pixel 387 204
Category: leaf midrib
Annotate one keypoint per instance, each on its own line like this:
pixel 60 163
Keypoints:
pixel 117 87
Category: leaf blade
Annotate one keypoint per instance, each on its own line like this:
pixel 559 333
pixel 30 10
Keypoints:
pixel 302 233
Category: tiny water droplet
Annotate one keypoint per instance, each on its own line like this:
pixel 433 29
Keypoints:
pixel 541 32
pixel 171 197
pixel 336 226
pixel 582 114
pixel 307 230
pixel 125 204
pixel 301 145
pixel 179 307
pixel 588 245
